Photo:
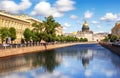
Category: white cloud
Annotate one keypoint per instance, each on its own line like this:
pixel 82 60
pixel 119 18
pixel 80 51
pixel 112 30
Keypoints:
pixel 64 5
pixel 88 14
pixel 110 73
pixel 12 7
pixel 54 74
pixel 88 73
pixel 64 28
pixel 99 26
pixel 118 17
pixel 44 8
pixel 67 25
pixel 95 22
pixel 99 32
pixel 109 17
pixel 73 17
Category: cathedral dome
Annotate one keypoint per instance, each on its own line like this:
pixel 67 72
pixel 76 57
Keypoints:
pixel 85 26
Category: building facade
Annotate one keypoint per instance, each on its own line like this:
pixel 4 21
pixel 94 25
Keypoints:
pixel 85 33
pixel 59 30
pixel 99 36
pixel 20 23
pixel 116 29
pixel 7 20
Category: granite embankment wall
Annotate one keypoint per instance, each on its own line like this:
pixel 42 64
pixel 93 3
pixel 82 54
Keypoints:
pixel 111 47
pixel 23 50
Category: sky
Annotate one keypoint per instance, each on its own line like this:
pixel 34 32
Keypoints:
pixel 101 15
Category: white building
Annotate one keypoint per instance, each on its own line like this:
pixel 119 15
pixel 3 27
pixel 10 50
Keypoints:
pixel 99 36
pixel 85 33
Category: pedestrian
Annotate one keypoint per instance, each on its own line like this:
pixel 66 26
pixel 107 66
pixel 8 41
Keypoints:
pixel 45 45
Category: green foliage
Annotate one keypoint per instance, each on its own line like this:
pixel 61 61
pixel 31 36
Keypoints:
pixel 111 38
pixel 38 30
pixel 38 27
pixel 27 34
pixel 50 61
pixel 70 39
pixel 45 30
pixel 4 33
pixel 106 39
pixel 83 39
pixel 34 36
pixel 50 25
pixel 12 33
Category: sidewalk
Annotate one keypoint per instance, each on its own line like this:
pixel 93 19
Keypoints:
pixel 24 50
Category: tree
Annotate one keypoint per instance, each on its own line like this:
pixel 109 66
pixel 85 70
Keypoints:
pixel 106 39
pixel 12 33
pixel 27 34
pixel 63 38
pixel 45 30
pixel 50 25
pixel 34 37
pixel 38 27
pixel 83 39
pixel 50 60
pixel 4 33
pixel 112 37
pixel 38 30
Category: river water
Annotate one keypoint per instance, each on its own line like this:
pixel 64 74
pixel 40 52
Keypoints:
pixel 79 61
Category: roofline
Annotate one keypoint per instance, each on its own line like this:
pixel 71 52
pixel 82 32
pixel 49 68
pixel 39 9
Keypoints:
pixel 11 16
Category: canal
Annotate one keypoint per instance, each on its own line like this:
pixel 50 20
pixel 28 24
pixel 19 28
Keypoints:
pixel 79 61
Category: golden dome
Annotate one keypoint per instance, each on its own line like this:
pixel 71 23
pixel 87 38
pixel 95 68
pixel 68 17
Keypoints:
pixel 85 24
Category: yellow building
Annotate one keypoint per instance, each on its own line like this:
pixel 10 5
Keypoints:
pixel 59 30
pixel 20 23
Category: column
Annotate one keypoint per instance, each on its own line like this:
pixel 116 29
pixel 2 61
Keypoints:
pixel 8 23
pixel 3 23
pixel 22 30
pixel 14 25
pixel 0 22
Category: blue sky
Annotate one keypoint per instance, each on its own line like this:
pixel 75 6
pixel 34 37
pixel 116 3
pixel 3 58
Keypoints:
pixel 100 14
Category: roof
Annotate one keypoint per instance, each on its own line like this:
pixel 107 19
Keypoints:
pixel 85 25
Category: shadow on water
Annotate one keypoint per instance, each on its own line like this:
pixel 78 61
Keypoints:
pixel 46 59
pixel 79 61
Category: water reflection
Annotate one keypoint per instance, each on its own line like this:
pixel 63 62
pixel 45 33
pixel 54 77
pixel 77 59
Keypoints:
pixel 97 61
pixel 16 64
pixel 51 61
pixel 79 61
pixel 86 56
pixel 22 63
